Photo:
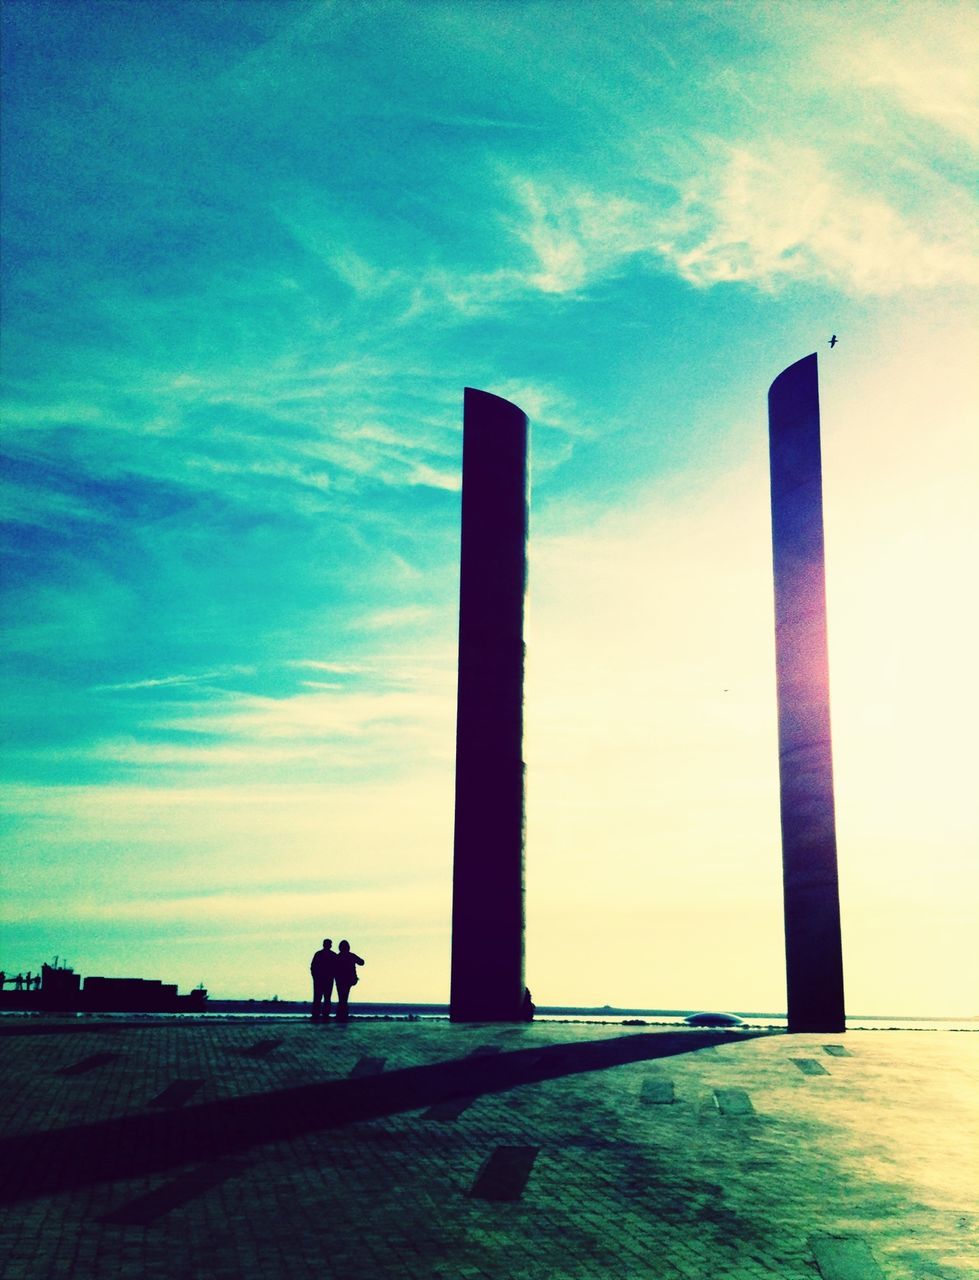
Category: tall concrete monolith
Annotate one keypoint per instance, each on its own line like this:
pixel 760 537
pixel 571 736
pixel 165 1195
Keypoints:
pixel 813 948
pixel 488 870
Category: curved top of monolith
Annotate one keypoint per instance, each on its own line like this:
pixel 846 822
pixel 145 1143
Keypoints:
pixel 479 403
pixel 795 389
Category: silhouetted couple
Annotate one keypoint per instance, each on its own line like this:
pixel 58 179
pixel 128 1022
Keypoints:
pixel 331 967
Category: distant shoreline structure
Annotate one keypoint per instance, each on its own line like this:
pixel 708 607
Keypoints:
pixel 61 990
pixel 270 1010
pixel 571 1013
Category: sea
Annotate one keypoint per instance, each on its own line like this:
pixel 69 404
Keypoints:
pixel 289 1011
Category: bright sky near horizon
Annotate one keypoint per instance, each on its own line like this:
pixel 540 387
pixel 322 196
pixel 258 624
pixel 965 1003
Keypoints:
pixel 254 252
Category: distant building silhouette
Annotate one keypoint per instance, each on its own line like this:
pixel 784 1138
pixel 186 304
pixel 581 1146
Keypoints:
pixel 61 990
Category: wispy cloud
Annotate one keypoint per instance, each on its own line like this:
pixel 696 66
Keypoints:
pixel 301 906
pixel 775 213
pixel 576 234
pixel 336 668
pixel 162 682
pixel 921 60
pixel 388 619
pixel 764 213
pixel 304 715
pixel 200 755
pixel 368 729
pixel 782 178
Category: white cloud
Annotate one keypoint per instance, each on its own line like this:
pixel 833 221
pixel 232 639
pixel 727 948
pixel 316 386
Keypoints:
pixel 575 234
pixel 763 212
pixel 162 682
pixel 433 478
pixel 773 212
pixel 921 58
pixel 337 668
pixel 199 755
pixel 300 907
pixel 327 715
pixel 544 405
pixel 199 839
pixel 846 162
pixel 389 619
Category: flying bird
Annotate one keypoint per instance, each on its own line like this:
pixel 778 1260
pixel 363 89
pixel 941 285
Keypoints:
pixel 833 340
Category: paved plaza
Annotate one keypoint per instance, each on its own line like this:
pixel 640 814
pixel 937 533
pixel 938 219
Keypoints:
pixel 279 1148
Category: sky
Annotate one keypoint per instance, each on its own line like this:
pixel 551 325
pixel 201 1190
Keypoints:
pixel 253 253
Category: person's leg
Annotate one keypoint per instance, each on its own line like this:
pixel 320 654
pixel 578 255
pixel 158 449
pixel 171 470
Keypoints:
pixel 327 997
pixel 317 999
pixel 343 992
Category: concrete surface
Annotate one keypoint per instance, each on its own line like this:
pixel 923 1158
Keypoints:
pixel 264 1148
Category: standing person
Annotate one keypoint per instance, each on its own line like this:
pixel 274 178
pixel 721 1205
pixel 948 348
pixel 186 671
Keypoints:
pixel 346 976
pixel 323 968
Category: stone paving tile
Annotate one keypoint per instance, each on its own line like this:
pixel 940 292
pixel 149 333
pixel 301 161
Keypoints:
pixel 883 1153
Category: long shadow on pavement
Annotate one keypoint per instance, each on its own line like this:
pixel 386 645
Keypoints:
pixel 129 1146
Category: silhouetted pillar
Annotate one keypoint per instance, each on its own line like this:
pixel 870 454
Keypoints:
pixel 488 874
pixel 813 950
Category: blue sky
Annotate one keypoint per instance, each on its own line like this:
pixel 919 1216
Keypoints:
pixel 253 254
